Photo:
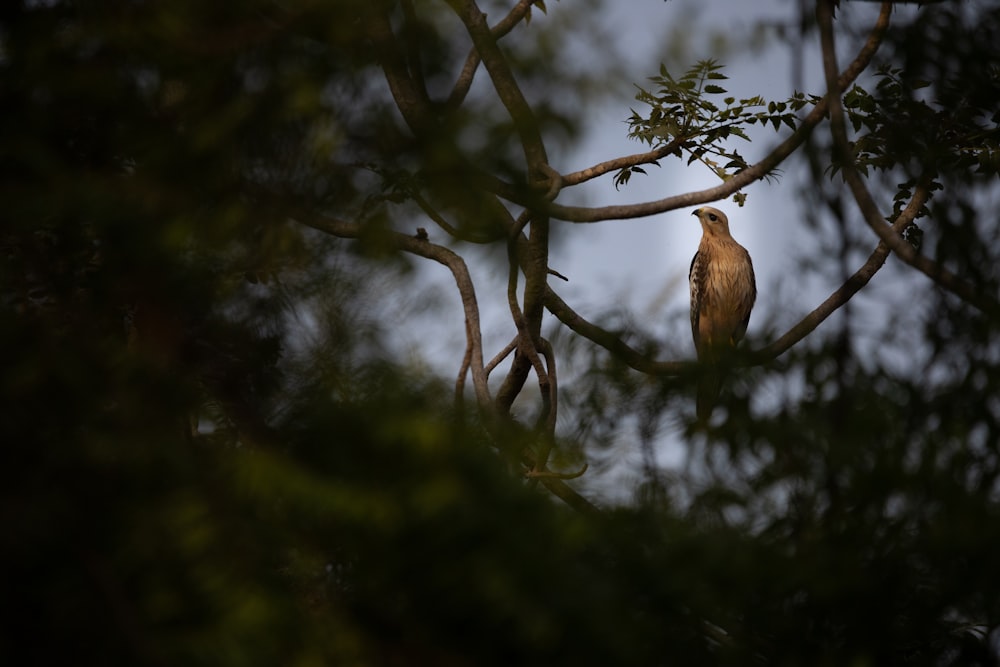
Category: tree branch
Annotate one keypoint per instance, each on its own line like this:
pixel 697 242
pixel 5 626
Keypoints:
pixel 611 342
pixel 547 419
pixel 536 257
pixel 745 177
pixel 866 203
pixel 410 98
pixel 501 355
pixel 851 286
pixel 503 81
pixel 577 177
pixel 440 254
pixel 464 81
pixel 526 341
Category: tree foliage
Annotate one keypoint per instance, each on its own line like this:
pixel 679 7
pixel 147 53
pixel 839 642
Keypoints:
pixel 214 451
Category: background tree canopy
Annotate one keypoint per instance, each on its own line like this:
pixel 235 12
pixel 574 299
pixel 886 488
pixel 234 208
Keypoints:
pixel 215 451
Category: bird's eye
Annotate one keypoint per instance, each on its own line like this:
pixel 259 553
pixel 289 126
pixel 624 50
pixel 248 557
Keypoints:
pixel 713 217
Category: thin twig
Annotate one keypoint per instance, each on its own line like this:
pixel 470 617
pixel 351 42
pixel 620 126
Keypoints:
pixel 500 356
pixel 449 228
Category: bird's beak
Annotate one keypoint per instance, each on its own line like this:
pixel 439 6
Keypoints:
pixel 697 211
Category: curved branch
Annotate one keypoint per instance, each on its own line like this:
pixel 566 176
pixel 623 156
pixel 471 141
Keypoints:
pixel 862 196
pixel 611 342
pixel 547 419
pixel 852 285
pixel 441 255
pixel 556 485
pixel 745 177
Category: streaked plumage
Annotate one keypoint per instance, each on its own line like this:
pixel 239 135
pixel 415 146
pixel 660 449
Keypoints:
pixel 723 291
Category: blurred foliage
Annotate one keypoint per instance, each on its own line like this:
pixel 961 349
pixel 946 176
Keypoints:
pixel 212 455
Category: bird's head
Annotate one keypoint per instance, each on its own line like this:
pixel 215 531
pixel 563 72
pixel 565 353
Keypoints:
pixel 713 221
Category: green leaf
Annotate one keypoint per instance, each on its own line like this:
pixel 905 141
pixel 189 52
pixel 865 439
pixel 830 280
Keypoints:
pixel 714 90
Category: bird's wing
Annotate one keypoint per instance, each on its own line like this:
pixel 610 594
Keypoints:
pixel 696 278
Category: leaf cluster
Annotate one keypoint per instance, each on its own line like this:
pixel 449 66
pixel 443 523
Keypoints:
pixel 895 126
pixel 685 114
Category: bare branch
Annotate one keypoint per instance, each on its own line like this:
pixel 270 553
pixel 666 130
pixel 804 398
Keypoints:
pixel 866 203
pixel 464 81
pixel 602 168
pixel 442 255
pixel 501 355
pixel 536 255
pixel 525 339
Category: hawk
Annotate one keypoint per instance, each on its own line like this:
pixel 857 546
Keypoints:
pixel 723 291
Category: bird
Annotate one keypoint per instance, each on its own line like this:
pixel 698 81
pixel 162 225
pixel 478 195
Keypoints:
pixel 723 291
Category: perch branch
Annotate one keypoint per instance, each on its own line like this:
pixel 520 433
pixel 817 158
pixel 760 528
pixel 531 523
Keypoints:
pixel 610 341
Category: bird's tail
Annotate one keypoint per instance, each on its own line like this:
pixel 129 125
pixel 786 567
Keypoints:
pixel 709 386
